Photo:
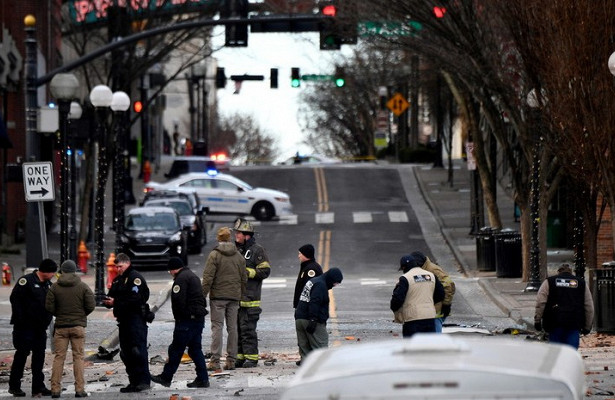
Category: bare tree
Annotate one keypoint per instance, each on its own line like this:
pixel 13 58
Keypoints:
pixel 245 141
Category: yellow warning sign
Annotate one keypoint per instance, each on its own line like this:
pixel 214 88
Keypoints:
pixel 397 104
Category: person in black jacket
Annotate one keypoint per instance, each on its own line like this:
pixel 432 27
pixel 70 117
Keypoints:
pixel 312 312
pixel 564 307
pixel 189 310
pixel 309 269
pixel 128 297
pixel 30 320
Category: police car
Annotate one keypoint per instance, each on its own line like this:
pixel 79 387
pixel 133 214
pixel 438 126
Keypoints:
pixel 225 194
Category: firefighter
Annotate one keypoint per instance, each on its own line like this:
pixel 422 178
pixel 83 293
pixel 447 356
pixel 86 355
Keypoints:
pixel 258 268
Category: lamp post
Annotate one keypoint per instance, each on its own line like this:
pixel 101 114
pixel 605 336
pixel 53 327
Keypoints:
pixel 100 97
pixel 535 101
pixel 63 87
pixel 74 114
pixel 120 103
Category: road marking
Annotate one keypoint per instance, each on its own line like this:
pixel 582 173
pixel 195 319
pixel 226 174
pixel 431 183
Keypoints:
pixel 321 190
pixel 362 217
pixel 372 281
pixel 325 217
pixel 289 220
pixel 398 216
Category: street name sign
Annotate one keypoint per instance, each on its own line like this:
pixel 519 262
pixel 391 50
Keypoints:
pixel 38 181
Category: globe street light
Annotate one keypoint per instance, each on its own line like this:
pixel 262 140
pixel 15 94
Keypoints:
pixel 63 88
pixel 101 98
pixel 74 114
pixel 120 103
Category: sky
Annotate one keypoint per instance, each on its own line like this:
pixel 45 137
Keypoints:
pixel 276 110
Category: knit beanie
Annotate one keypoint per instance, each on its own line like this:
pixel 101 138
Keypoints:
pixel 175 263
pixel 307 250
pixel 68 266
pixel 224 234
pixel 48 265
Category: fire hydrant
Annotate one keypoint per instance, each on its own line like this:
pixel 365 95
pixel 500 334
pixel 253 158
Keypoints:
pixel 6 274
pixel 83 255
pixel 147 172
pixel 111 270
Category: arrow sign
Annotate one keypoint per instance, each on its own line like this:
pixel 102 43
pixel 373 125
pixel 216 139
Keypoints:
pixel 41 192
pixel 398 104
pixel 38 181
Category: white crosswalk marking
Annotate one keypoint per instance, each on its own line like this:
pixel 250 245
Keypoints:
pixel 362 217
pixel 289 220
pixel 372 281
pixel 274 283
pixel 398 216
pixel 325 218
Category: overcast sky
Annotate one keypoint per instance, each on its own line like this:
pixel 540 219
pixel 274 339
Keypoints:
pixel 274 109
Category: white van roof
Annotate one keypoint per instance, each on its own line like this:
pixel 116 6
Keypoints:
pixel 440 366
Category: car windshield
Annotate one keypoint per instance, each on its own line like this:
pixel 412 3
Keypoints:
pixel 154 221
pixel 181 207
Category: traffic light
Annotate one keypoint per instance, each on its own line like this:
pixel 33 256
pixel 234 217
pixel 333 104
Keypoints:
pixel 295 77
pixel 339 78
pixel 235 34
pixel 439 11
pixel 329 29
pixel 137 106
pixel 220 78
pixel 273 78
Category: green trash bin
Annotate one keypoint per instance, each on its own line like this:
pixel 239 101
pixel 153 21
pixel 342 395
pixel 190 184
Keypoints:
pixel 604 297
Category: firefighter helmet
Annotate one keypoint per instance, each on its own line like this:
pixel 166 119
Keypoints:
pixel 243 226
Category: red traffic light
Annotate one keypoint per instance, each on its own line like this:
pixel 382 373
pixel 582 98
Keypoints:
pixel 329 10
pixel 137 106
pixel 439 11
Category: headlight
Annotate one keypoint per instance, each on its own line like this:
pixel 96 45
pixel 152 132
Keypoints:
pixel 177 236
pixel 179 249
pixel 282 199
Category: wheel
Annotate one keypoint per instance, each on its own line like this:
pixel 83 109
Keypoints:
pixel 263 211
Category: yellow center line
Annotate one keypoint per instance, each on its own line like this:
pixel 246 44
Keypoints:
pixel 321 190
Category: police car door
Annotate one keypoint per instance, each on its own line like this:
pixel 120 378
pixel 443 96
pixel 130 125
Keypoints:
pixel 234 198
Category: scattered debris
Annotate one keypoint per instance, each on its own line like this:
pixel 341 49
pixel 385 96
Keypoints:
pixel 104 354
pixel 157 360
pixel 237 393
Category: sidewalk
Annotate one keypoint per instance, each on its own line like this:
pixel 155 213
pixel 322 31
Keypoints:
pixel 450 206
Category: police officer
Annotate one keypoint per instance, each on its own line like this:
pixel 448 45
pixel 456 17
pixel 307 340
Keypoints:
pixel 414 298
pixel 258 268
pixel 128 297
pixel 30 320
pixel 309 269
pixel 189 310
pixel 564 307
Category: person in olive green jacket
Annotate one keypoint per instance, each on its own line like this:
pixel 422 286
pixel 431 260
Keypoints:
pixel 443 308
pixel 70 300
pixel 224 280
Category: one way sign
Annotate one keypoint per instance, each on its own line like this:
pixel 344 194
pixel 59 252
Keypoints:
pixel 38 181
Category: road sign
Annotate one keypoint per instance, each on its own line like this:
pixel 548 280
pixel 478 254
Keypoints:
pixel 398 104
pixel 38 181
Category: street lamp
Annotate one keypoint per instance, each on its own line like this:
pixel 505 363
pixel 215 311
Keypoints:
pixel 74 114
pixel 64 87
pixel 120 103
pixel 100 97
pixel 535 101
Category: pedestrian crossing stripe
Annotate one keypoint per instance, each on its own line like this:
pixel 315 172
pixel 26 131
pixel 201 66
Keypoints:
pixel 358 217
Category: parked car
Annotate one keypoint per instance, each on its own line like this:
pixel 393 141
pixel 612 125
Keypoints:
pixel 310 159
pixel 192 221
pixel 171 194
pixel 225 194
pixel 152 235
pixel 185 164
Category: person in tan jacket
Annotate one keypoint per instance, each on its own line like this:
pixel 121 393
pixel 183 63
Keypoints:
pixel 224 280
pixel 443 308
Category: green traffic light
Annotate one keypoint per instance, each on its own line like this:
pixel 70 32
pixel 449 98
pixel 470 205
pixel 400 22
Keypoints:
pixel 340 82
pixel 295 83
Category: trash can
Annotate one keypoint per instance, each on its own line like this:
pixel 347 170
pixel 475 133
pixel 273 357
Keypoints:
pixel 604 297
pixel 508 261
pixel 485 249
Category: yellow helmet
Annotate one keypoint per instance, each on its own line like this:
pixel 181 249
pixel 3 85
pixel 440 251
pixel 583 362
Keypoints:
pixel 244 226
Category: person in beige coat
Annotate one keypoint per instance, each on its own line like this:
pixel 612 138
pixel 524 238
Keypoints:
pixel 224 280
